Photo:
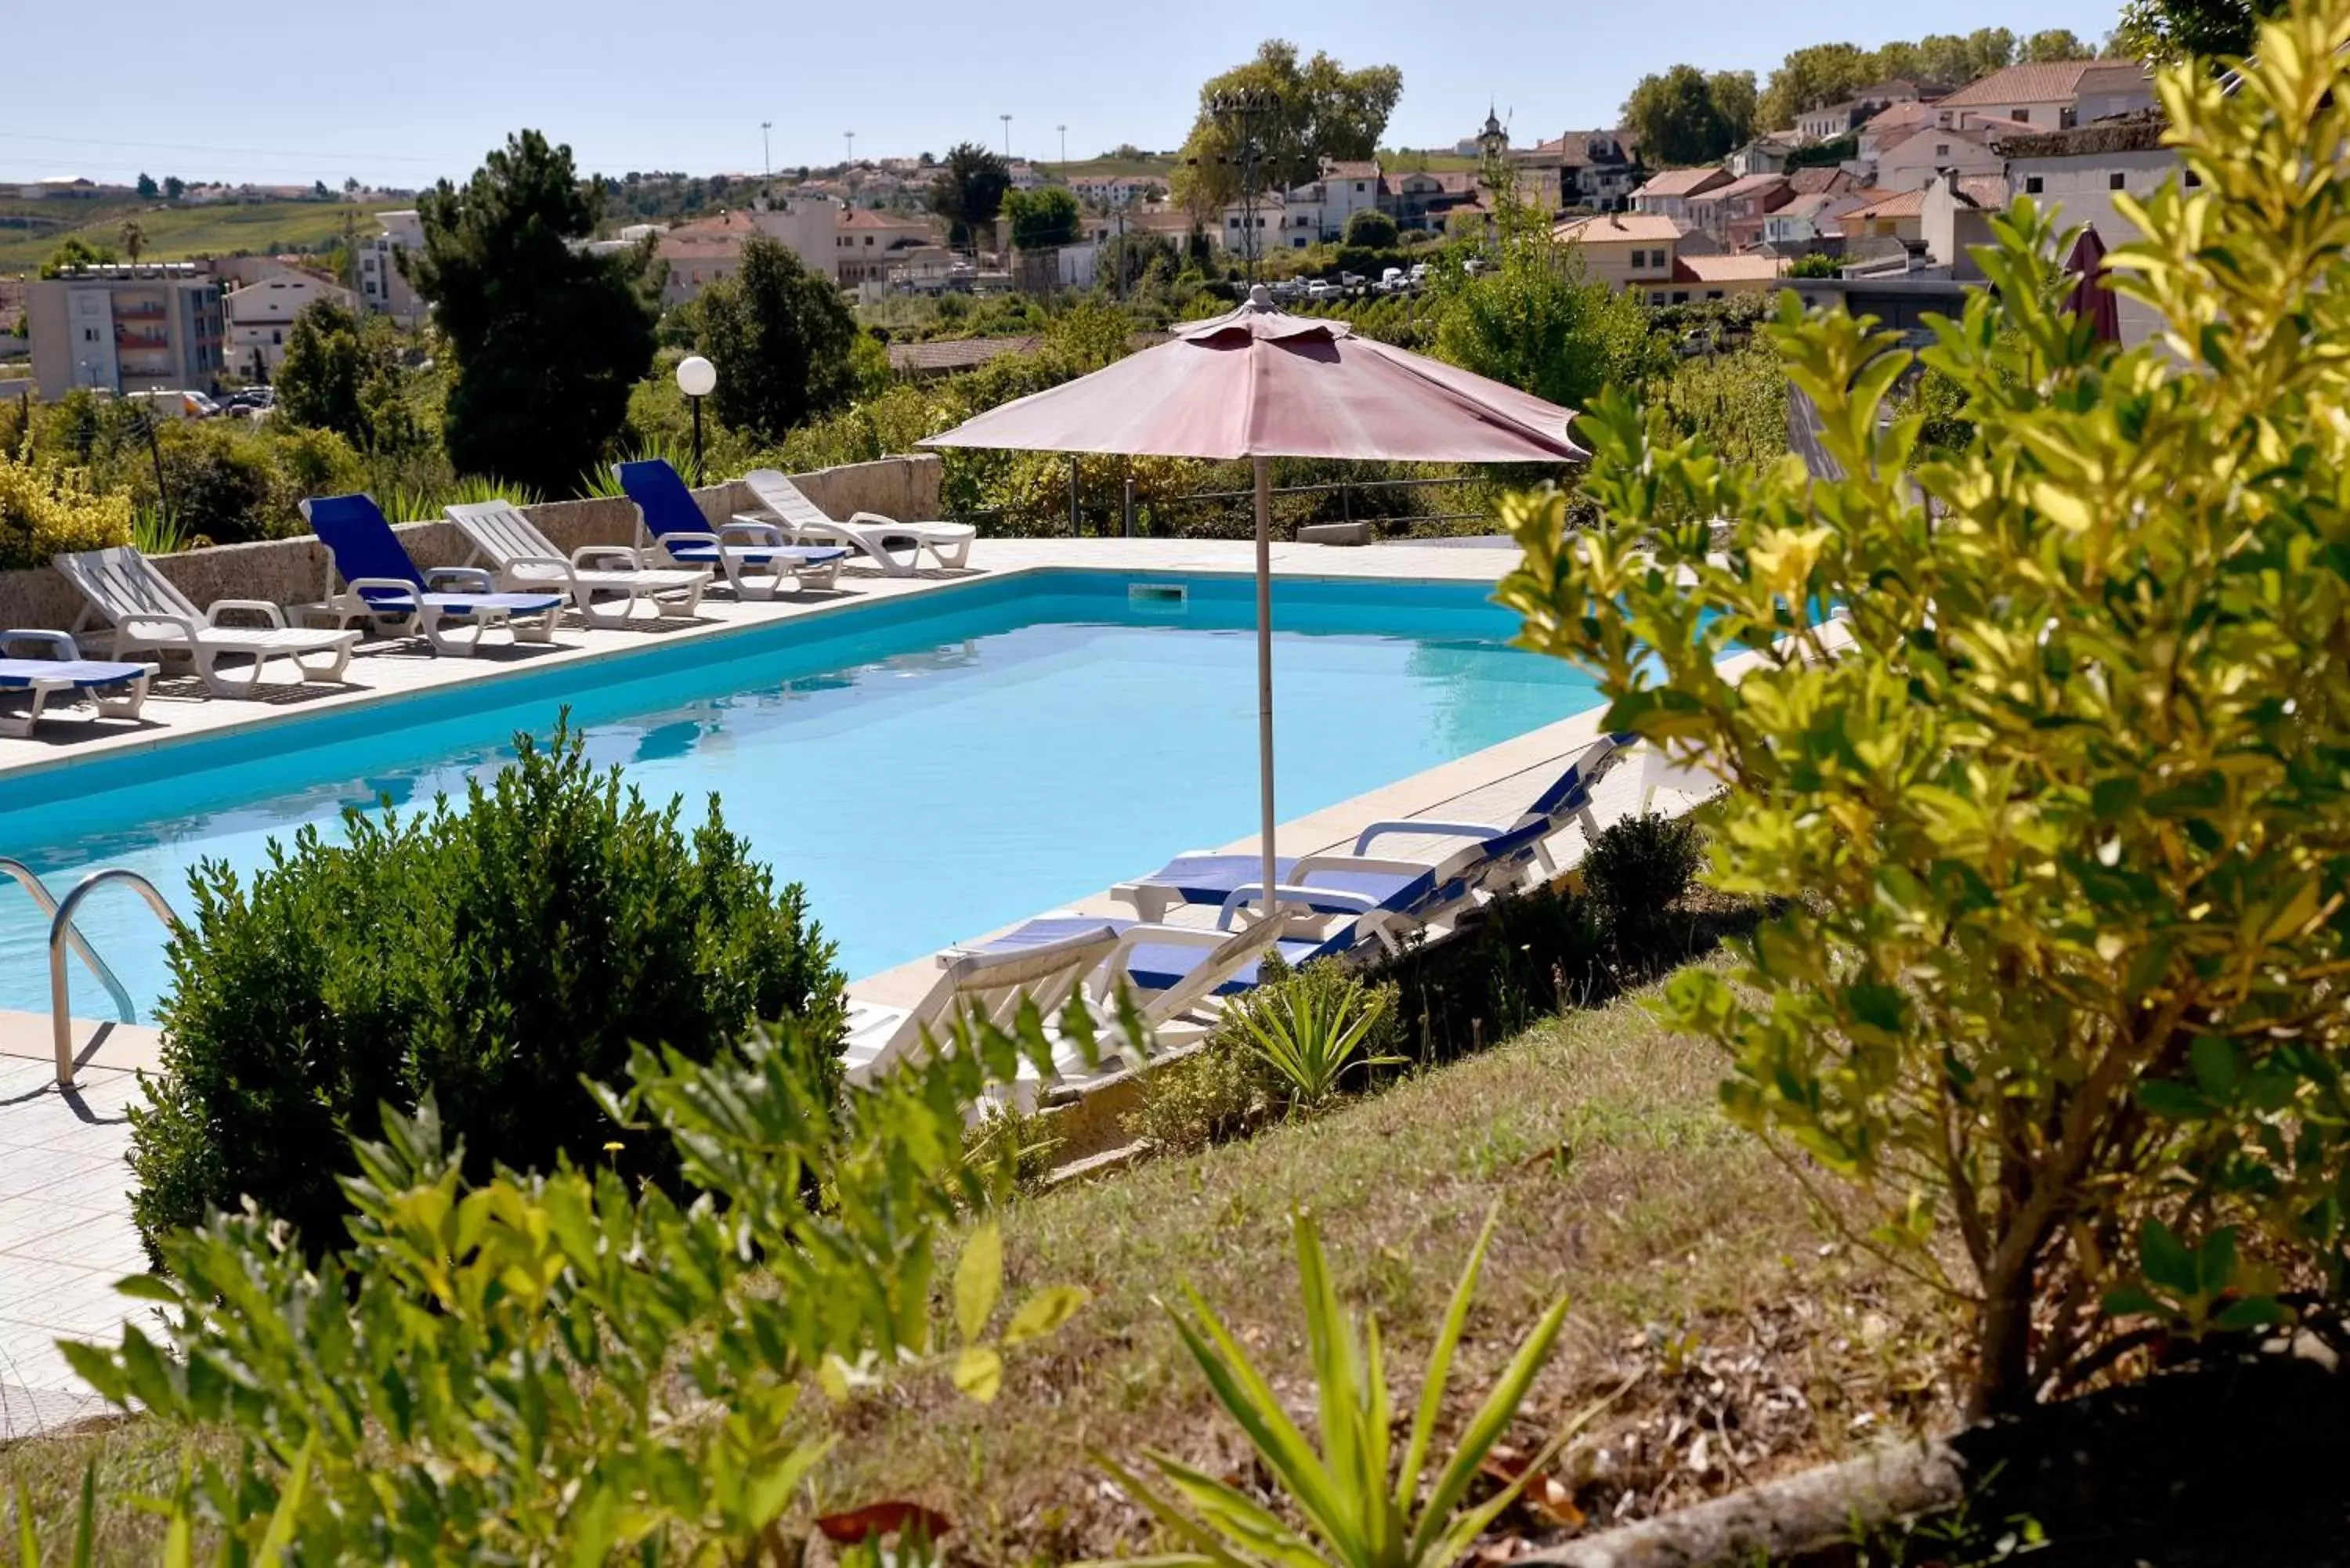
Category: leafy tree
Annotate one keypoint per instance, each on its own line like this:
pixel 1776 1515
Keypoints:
pixel 2056 808
pixel 968 192
pixel 1313 110
pixel 2055 44
pixel 342 373
pixel 1954 60
pixel 173 187
pixel 1813 77
pixel 1042 218
pixel 1815 264
pixel 547 339
pixel 133 235
pixel 1536 323
pixel 780 339
pixel 74 251
pixel 1675 117
pixel 1371 229
pixel 1737 103
pixel 2183 29
pixel 147 187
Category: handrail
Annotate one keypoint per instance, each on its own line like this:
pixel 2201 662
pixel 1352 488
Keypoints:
pixel 47 903
pixel 61 928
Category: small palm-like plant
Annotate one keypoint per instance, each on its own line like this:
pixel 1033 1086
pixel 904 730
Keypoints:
pixel 1361 1510
pixel 1310 1031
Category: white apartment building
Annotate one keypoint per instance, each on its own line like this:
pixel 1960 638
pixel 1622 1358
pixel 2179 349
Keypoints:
pixel 382 290
pixel 260 313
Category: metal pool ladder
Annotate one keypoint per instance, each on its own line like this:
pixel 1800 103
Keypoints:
pixel 63 932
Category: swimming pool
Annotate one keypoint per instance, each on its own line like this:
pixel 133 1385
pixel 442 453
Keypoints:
pixel 930 766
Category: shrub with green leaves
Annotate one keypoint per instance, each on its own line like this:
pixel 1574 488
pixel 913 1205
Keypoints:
pixel 487 952
pixel 46 508
pixel 2061 814
pixel 581 1366
pixel 1308 1029
pixel 1635 870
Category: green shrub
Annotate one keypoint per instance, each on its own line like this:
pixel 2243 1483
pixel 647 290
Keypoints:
pixel 1533 954
pixel 1307 1029
pixel 45 509
pixel 2056 820
pixel 1211 1096
pixel 1636 869
pixel 488 956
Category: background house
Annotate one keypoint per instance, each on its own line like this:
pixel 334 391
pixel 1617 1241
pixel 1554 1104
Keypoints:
pixel 1734 213
pixel 1624 250
pixel 2077 174
pixel 259 314
pixel 2046 96
pixel 1667 195
pixel 1927 154
pixel 382 290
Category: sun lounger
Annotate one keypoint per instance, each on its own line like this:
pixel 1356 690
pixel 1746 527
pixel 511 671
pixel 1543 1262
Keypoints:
pixel 949 543
pixel 148 613
pixel 756 557
pixel 523 560
pixel 1486 858
pixel 1047 966
pixel 116 689
pixel 383 586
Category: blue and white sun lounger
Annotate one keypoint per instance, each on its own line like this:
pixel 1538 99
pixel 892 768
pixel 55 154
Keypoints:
pixel 1490 858
pixel 1046 962
pixel 384 584
pixel 116 689
pixel 756 557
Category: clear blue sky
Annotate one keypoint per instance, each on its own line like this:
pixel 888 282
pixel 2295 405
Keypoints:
pixel 402 94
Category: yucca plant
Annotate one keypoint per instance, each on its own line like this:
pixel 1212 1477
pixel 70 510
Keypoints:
pixel 1311 1029
pixel 156 534
pixel 1360 1509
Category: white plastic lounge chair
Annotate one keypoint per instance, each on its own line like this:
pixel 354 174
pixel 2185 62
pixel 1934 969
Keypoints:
pixel 524 559
pixel 384 586
pixel 117 689
pixel 949 543
pixel 148 613
pixel 756 558
pixel 1048 967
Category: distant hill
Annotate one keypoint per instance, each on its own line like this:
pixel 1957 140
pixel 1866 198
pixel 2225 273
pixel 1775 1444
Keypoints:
pixel 174 233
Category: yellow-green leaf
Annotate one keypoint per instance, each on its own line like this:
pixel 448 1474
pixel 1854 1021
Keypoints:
pixel 1045 1312
pixel 979 1279
pixel 979 1372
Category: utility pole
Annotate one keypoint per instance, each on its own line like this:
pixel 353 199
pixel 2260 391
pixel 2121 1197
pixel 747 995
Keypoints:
pixel 1007 136
pixel 767 152
pixel 1246 110
pixel 1065 143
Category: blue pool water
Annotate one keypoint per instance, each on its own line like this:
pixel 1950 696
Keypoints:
pixel 929 767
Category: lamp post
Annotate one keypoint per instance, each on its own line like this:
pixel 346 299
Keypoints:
pixel 850 137
pixel 766 151
pixel 696 378
pixel 1007 136
pixel 1064 142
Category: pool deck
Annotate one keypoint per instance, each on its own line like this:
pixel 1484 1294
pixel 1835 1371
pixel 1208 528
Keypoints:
pixel 65 1225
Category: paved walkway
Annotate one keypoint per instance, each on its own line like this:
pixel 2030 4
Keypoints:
pixel 65 1227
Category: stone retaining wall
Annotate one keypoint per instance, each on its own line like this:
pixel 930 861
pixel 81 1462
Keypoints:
pixel 297 571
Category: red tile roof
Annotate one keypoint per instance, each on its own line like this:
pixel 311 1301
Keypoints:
pixel 1821 182
pixel 1683 181
pixel 1728 269
pixel 1612 227
pixel 2048 81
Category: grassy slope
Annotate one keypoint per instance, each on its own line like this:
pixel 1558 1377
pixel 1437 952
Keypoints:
pixel 1694 1264
pixel 174 234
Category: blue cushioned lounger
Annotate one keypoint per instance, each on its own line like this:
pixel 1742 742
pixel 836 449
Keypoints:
pixel 756 557
pixel 383 584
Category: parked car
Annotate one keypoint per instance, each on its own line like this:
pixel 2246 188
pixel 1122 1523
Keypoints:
pixel 1289 288
pixel 1392 281
pixel 1322 288
pixel 174 404
pixel 1352 280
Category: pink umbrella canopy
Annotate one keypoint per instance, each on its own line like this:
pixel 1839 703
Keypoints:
pixel 1260 384
pixel 2092 299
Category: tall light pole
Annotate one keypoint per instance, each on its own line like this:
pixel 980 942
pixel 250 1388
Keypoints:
pixel 1007 136
pixel 849 137
pixel 1064 141
pixel 767 152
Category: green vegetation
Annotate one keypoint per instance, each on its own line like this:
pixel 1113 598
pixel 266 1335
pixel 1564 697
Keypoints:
pixel 783 343
pixel 1371 229
pixel 483 956
pixel 547 340
pixel 1684 116
pixel 968 192
pixel 1312 109
pixel 1042 218
pixel 1823 74
pixel 2060 827
pixel 342 373
pixel 175 234
pixel 1536 323
pixel 1308 1030
pixel 46 507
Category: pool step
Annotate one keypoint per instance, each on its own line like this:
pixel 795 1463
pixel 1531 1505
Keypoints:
pixel 123 1046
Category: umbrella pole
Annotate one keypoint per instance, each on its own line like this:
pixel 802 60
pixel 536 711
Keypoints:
pixel 1265 670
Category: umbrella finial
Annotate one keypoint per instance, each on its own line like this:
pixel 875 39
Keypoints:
pixel 1260 297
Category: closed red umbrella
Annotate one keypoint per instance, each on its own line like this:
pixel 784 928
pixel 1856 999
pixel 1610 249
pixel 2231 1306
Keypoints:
pixel 1260 384
pixel 2091 297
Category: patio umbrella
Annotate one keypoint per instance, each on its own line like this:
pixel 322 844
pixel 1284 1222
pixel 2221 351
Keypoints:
pixel 2091 298
pixel 1259 383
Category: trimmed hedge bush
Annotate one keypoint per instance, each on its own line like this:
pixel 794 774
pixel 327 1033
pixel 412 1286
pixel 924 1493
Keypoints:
pixel 1639 869
pixel 492 954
